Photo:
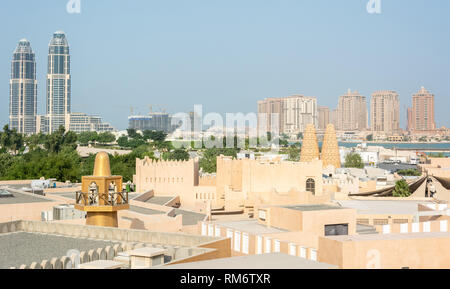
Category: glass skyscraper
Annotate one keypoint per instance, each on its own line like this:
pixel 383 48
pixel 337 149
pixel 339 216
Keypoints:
pixel 23 89
pixel 58 82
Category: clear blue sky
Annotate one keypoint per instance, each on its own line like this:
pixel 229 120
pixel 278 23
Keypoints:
pixel 227 54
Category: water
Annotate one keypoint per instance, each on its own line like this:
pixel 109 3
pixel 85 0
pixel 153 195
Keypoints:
pixel 421 146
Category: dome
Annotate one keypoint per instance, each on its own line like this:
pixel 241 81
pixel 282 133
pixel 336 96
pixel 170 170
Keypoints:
pixel 59 39
pixel 24 46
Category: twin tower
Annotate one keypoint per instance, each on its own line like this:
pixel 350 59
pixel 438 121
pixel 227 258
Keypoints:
pixel 330 148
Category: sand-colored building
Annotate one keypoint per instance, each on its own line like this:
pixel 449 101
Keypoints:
pixel 238 185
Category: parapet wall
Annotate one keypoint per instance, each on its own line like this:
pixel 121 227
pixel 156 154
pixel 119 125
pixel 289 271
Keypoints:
pixel 182 246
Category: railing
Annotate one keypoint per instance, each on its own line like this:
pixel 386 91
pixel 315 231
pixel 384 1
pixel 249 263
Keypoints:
pixel 102 199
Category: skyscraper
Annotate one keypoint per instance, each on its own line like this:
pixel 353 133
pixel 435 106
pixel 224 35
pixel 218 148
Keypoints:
pixel 23 89
pixel 385 112
pixel 422 112
pixel 294 114
pixel 58 82
pixel 324 117
pixel 352 112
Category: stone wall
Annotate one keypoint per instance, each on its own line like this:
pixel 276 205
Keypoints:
pixel 180 246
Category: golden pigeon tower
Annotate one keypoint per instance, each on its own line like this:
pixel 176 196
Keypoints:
pixel 310 146
pixel 330 149
pixel 101 195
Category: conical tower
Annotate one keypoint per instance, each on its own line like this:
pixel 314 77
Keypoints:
pixel 101 195
pixel 330 148
pixel 310 146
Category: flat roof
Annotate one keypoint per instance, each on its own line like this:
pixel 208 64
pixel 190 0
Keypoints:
pixel 251 227
pixel 190 218
pixel 306 208
pixel 145 211
pixel 147 252
pixel 23 198
pixel 379 237
pixel 263 261
pixel 21 248
pixel 403 207
pixel 159 200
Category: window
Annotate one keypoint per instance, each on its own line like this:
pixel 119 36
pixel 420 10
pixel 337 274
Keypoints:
pixel 311 186
pixel 336 230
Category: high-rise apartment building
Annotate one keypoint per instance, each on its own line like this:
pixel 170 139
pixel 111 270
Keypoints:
pixel 421 116
pixel 269 115
pixel 290 114
pixel 58 82
pixel 409 123
pixel 23 89
pixel 352 112
pixel 324 117
pixel 385 112
pixel 334 118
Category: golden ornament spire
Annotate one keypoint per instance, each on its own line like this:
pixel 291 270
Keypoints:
pixel 102 167
pixel 101 195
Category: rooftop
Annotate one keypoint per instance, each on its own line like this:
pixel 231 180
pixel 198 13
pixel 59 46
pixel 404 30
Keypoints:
pixel 190 218
pixel 379 237
pixel 23 198
pixel 306 208
pixel 159 200
pixel 25 248
pixel 264 261
pixel 383 207
pixel 145 211
pixel 251 227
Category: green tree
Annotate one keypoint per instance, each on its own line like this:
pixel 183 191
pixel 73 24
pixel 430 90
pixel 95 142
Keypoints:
pixel 155 136
pixel 176 155
pixel 123 142
pixel 133 134
pixel 10 140
pixel 401 189
pixel 409 172
pixel 294 154
pixel 208 162
pixel 106 137
pixel 369 137
pixel 59 139
pixel 354 160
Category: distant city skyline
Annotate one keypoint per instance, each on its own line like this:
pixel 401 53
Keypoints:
pixel 228 55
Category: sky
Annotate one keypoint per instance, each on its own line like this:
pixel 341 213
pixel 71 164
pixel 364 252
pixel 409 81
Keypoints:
pixel 228 54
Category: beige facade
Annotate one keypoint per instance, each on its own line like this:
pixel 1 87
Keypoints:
pixel 352 112
pixel 238 186
pixel 394 251
pixel 385 113
pixel 310 219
